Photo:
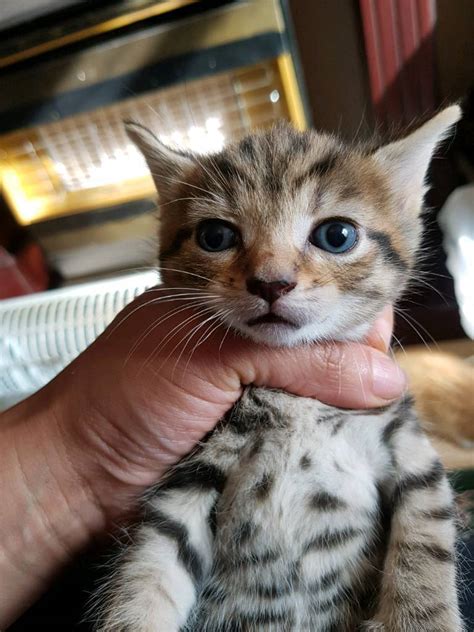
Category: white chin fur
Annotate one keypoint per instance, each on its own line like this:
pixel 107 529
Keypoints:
pixel 348 318
pixel 275 335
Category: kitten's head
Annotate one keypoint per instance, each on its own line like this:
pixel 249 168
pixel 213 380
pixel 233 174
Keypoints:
pixel 293 236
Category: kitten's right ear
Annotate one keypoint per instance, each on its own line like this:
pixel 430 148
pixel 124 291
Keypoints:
pixel 167 166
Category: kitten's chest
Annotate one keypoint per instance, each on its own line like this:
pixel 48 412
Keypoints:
pixel 298 520
pixel 309 461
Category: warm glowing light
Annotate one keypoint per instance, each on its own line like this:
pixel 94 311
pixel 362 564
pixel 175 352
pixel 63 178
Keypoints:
pixel 203 139
pixel 126 162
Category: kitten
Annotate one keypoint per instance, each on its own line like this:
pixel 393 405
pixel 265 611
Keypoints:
pixel 294 515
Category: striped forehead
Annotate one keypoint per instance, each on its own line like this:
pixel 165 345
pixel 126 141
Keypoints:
pixel 249 182
pixel 268 168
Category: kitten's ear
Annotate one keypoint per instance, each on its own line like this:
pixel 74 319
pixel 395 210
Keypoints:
pixel 167 166
pixel 407 160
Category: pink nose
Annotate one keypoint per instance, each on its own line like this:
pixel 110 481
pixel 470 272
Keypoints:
pixel 270 292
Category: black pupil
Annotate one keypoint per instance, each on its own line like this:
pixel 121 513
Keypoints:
pixel 336 235
pixel 216 236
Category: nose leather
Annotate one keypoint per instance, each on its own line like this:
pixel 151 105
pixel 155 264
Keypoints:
pixel 269 291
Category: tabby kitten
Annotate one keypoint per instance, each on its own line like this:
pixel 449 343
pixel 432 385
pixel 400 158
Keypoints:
pixel 294 515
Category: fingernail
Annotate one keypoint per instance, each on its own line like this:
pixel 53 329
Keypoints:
pixel 389 380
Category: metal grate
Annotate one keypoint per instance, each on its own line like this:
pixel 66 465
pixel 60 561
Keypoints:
pixel 87 161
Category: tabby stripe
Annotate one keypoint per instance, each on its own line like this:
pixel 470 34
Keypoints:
pixel 230 172
pixel 321 167
pixel 244 532
pixel 405 405
pixel 330 602
pixel 247 148
pixel 326 581
pixel 298 142
pixel 174 530
pixel 255 560
pixel 436 552
pixel 324 501
pixel 414 482
pixel 338 425
pixel 212 518
pixel 389 253
pixel 275 415
pixel 330 417
pixel 371 293
pixel 274 591
pixel 391 428
pixel 443 513
pixel 181 236
pixel 317 169
pixel 305 462
pixel 195 474
pixel 264 486
pixel 243 422
pixel 249 621
pixel 213 592
pixel 330 540
pixel 429 613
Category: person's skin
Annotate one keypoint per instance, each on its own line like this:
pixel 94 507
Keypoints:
pixel 76 456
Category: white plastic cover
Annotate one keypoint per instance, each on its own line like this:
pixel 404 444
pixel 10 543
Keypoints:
pixel 456 218
pixel 41 333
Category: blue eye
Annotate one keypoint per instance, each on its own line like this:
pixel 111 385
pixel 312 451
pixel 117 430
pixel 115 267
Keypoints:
pixel 334 236
pixel 215 235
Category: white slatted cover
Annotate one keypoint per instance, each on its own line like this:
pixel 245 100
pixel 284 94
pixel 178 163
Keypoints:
pixel 41 333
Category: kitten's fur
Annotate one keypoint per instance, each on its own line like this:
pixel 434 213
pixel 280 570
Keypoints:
pixel 295 515
pixel 442 385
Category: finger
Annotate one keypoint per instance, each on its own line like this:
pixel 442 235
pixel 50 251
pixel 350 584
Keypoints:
pixel 346 375
pixel 380 335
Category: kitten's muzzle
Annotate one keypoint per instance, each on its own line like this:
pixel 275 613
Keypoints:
pixel 269 291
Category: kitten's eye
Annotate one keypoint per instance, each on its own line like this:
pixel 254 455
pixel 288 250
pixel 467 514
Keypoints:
pixel 215 235
pixel 334 236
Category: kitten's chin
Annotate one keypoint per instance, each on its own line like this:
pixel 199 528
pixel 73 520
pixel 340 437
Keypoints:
pixel 273 335
pixel 276 334
pixel 285 335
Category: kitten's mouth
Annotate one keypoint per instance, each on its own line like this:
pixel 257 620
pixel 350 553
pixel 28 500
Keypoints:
pixel 271 319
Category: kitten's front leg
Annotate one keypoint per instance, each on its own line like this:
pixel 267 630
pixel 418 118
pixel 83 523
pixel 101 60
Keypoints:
pixel 155 583
pixel 418 592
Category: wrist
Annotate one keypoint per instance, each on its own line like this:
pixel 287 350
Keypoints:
pixel 50 514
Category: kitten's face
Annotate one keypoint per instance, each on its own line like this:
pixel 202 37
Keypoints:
pixel 293 236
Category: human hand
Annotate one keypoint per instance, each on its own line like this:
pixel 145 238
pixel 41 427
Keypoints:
pixel 140 398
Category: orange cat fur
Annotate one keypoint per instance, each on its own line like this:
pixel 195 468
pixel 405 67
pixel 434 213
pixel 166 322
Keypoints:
pixel 443 387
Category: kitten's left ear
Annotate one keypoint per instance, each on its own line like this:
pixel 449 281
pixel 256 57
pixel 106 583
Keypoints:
pixel 407 160
pixel 167 166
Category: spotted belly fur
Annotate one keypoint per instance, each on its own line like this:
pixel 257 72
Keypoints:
pixel 287 519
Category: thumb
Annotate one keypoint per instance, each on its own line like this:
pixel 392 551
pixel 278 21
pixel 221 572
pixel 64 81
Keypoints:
pixel 348 375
